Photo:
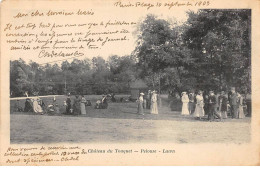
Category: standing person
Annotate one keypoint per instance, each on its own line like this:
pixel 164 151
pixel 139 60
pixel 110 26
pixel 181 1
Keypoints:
pixel 241 114
pixel 206 104
pixel 223 101
pixel 248 104
pixel 140 102
pixel 154 106
pixel 191 102
pixel 148 100
pixel 83 105
pixel 199 111
pixel 212 106
pixel 217 105
pixel 76 105
pixel 145 103
pixel 68 105
pixel 185 104
pixel 233 103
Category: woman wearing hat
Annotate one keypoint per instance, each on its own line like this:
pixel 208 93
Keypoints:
pixel 83 105
pixel 185 102
pixel 36 107
pixel 140 101
pixel 241 114
pixel 199 110
pixel 154 107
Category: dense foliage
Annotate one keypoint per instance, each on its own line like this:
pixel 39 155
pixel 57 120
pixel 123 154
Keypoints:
pixel 211 50
pixel 95 76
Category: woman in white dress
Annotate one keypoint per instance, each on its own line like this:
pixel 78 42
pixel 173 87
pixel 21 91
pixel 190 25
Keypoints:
pixel 241 114
pixel 154 107
pixel 185 102
pixel 83 105
pixel 36 107
pixel 199 110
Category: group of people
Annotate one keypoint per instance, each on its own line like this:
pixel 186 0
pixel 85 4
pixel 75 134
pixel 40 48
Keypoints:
pixel 37 105
pixel 215 106
pixel 78 106
pixel 148 101
pixel 73 107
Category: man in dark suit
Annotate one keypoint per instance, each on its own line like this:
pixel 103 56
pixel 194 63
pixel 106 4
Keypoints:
pixel 212 103
pixel 191 102
pixel 233 103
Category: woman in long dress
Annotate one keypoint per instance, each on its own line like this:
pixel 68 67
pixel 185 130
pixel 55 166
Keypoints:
pixel 36 107
pixel 154 107
pixel 223 101
pixel 199 110
pixel 241 114
pixel 140 102
pixel 185 102
pixel 83 105
pixel 76 106
pixel 68 105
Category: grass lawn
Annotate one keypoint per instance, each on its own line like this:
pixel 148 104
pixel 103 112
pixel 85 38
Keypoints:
pixel 120 123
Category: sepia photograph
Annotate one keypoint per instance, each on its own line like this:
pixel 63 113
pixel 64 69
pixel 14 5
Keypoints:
pixel 183 79
pixel 130 83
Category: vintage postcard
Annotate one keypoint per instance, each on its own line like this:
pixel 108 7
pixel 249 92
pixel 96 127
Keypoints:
pixel 130 82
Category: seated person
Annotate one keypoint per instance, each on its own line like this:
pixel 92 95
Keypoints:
pixel 36 106
pixel 28 107
pixel 102 104
pixel 113 99
pixel 98 104
pixel 17 106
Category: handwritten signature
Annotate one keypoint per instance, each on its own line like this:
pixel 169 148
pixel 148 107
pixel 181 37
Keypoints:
pixel 52 54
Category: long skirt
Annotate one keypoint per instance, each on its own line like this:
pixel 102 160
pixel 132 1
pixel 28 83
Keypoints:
pixel 37 108
pixel 154 108
pixel 199 111
pixel 144 104
pixel 185 110
pixel 223 114
pixel 241 114
pixel 191 107
pixel 148 103
pixel 234 111
pixel 83 108
pixel 76 109
pixel 140 109
pixel 68 107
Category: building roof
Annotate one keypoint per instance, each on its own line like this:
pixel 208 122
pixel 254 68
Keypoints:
pixel 138 84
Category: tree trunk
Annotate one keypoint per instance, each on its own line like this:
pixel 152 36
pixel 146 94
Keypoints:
pixel 159 93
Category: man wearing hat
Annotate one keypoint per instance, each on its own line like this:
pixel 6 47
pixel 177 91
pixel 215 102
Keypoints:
pixel 191 102
pixel 68 104
pixel 212 102
pixel 223 101
pixel 233 103
pixel 148 99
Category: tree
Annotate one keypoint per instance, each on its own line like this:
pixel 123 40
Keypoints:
pixel 159 47
pixel 220 44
